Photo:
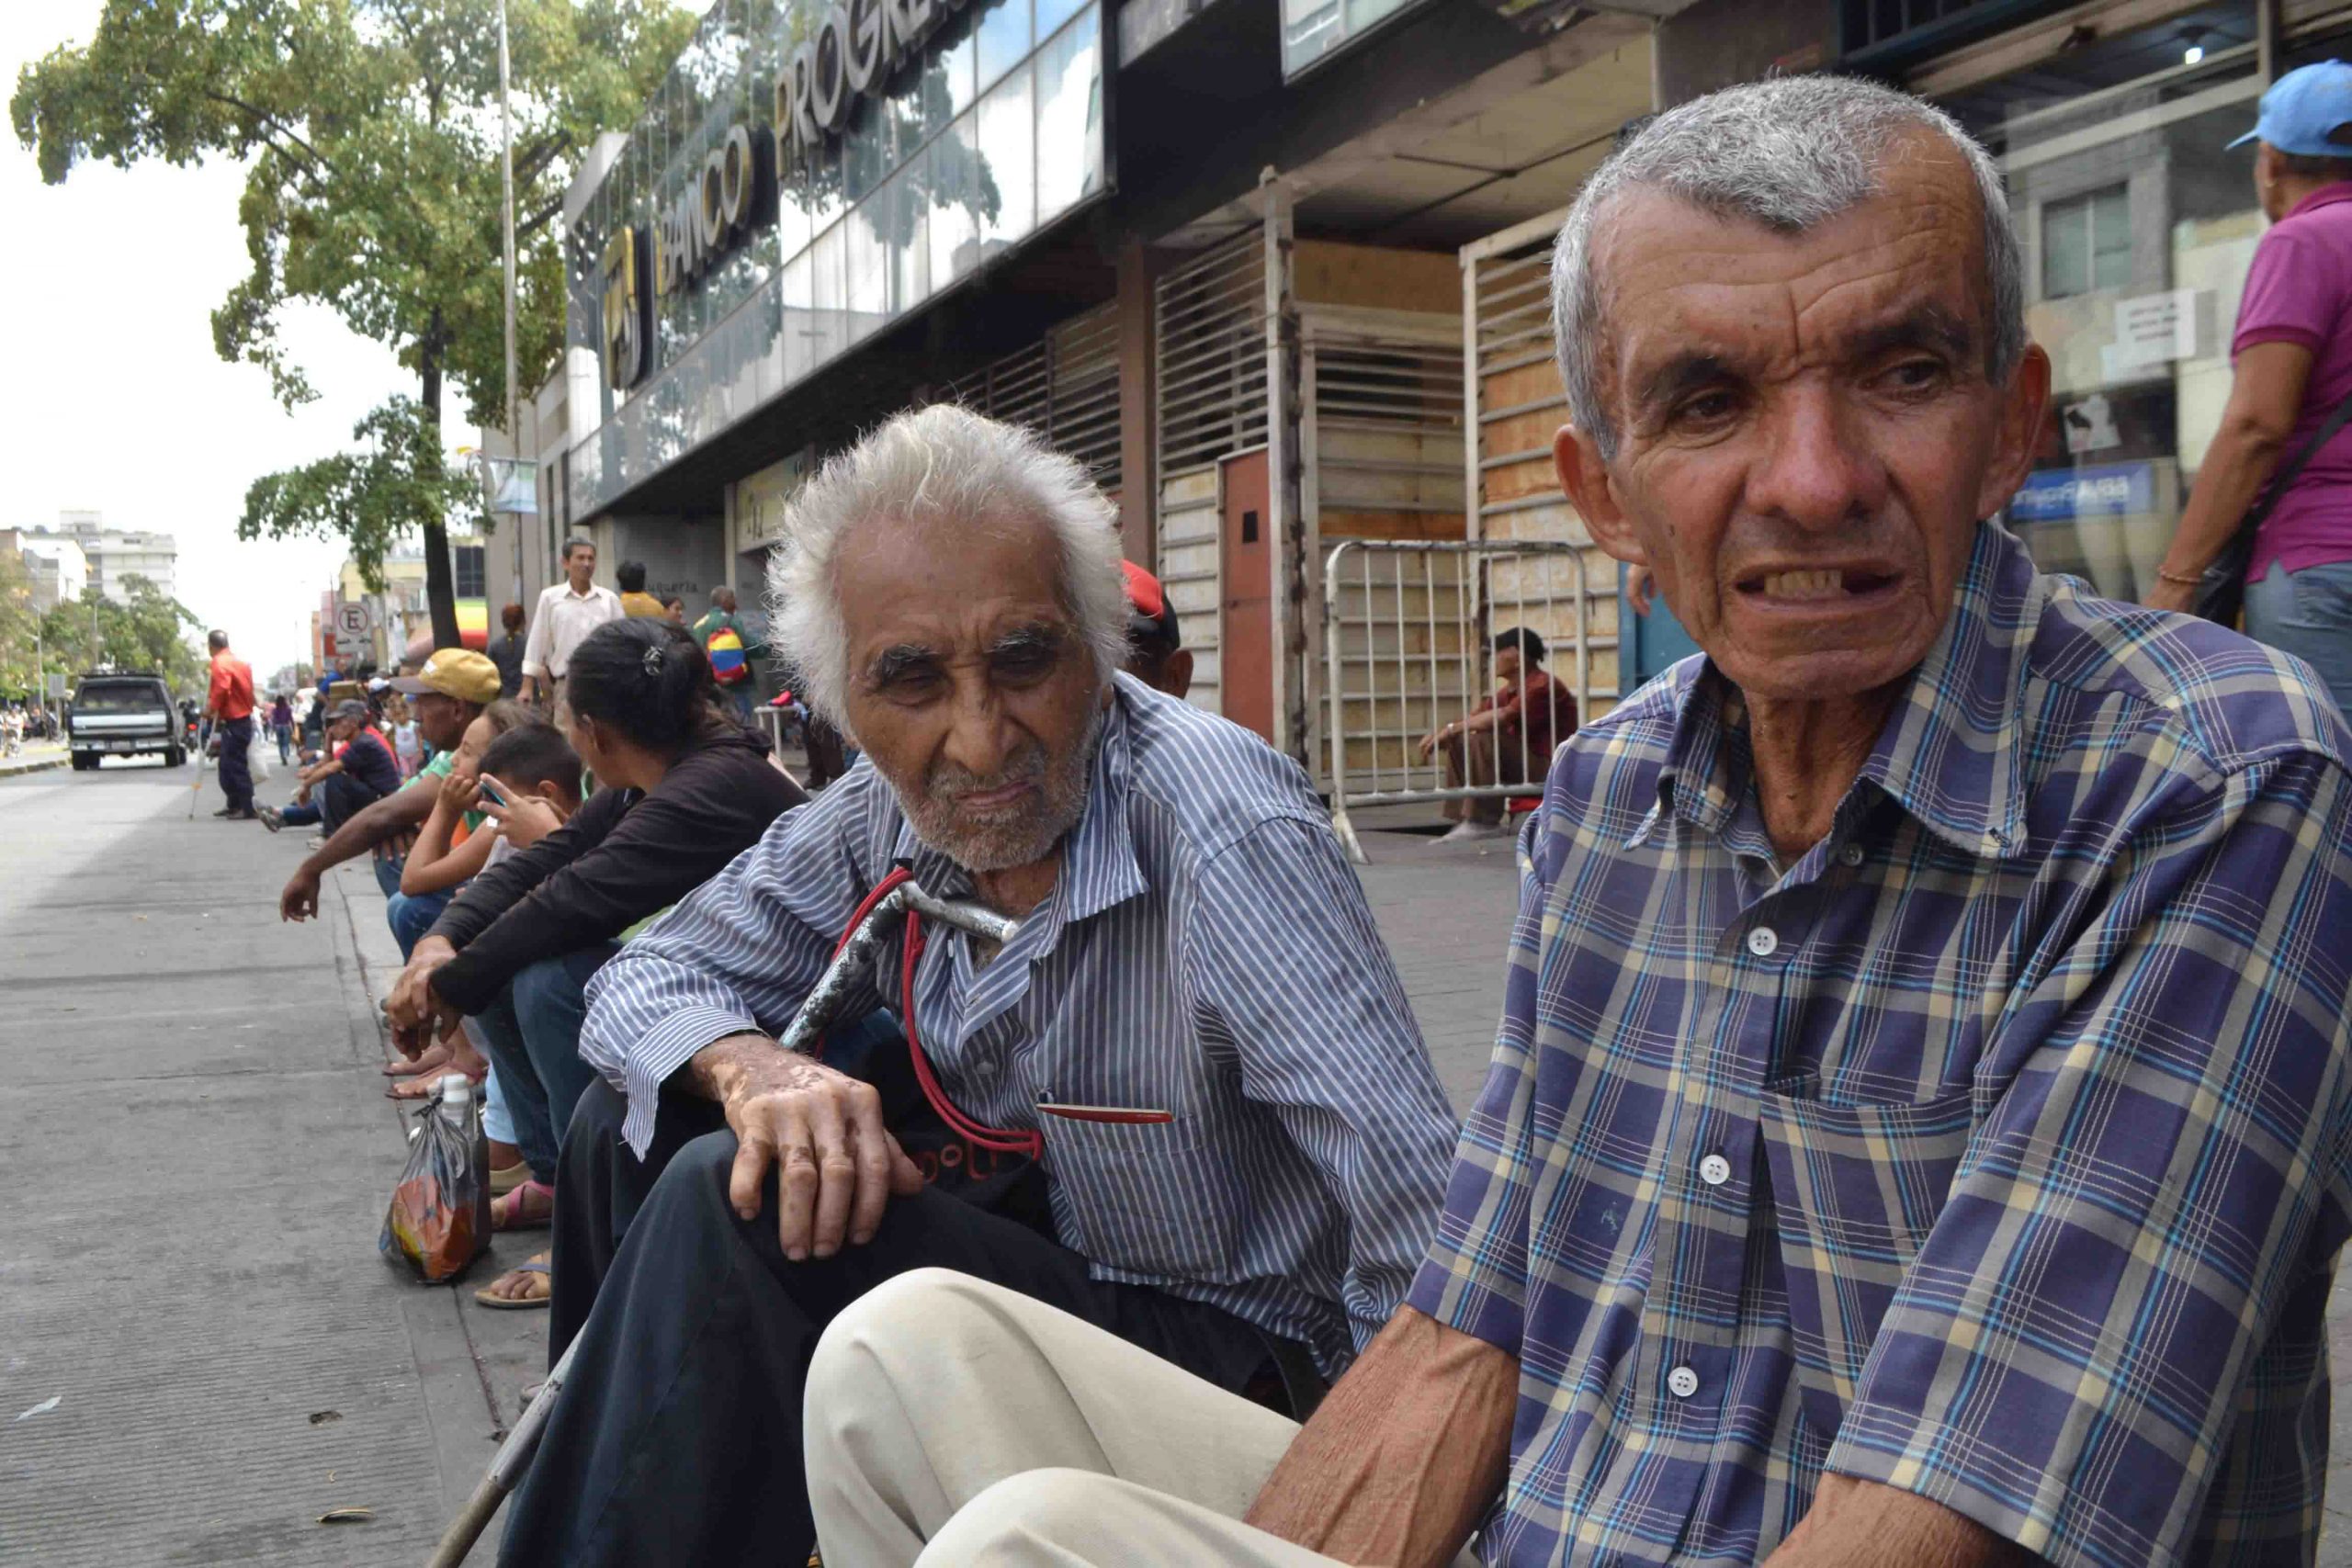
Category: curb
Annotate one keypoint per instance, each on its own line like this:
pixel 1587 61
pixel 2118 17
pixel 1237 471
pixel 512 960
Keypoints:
pixel 40 764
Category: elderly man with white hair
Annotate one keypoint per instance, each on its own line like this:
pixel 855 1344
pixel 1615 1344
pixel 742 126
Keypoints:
pixel 1194 1026
pixel 1919 1128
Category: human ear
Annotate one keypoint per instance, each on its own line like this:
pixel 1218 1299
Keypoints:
pixel 1585 476
pixel 2024 401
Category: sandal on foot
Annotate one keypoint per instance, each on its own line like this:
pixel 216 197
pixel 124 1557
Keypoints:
pixel 512 1212
pixel 436 1057
pixel 504 1179
pixel 517 1303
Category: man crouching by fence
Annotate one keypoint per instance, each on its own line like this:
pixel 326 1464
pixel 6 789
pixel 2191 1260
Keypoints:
pixel 1243 1145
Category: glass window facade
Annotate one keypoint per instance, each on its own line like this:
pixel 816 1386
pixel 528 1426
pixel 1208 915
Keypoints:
pixel 1313 28
pixel 987 132
pixel 2138 226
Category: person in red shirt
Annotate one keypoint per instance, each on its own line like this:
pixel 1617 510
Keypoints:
pixel 229 704
pixel 1508 738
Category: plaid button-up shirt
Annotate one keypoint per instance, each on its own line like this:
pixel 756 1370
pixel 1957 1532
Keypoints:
pixel 1995 1149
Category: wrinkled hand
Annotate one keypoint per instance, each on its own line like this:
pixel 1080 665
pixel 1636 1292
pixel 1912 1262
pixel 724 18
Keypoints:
pixel 837 1166
pixel 299 901
pixel 2164 595
pixel 414 1010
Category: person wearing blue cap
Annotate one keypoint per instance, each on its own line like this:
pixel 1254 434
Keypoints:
pixel 2284 444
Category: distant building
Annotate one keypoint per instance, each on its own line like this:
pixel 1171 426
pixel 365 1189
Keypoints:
pixel 116 555
pixel 58 568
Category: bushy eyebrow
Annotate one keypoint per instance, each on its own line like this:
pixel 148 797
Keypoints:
pixel 894 664
pixel 912 658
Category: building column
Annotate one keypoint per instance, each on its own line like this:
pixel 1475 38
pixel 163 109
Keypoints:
pixel 1138 433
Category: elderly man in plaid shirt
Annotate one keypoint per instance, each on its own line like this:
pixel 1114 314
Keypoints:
pixel 1917 1133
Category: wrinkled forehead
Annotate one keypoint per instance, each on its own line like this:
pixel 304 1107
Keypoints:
pixel 1675 278
pixel 946 576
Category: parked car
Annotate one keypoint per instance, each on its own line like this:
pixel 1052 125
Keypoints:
pixel 123 714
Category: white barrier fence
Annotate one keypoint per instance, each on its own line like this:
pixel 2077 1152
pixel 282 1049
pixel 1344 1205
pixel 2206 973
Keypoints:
pixel 1408 630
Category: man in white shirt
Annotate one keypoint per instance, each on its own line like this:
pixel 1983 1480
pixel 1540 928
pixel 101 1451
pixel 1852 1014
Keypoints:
pixel 568 613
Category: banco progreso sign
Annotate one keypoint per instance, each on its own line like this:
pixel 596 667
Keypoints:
pixel 855 48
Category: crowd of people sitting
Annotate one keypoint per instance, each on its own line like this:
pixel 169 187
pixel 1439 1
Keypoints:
pixel 1917 1128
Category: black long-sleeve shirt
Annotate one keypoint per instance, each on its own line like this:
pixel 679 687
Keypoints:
pixel 625 855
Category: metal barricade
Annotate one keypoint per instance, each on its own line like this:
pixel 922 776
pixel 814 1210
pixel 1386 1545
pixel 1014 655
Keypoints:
pixel 1408 629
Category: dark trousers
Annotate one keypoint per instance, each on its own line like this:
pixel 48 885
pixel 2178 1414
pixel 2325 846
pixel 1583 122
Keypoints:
pixel 532 1034
pixel 338 796
pixel 236 768
pixel 677 1437
pixel 410 915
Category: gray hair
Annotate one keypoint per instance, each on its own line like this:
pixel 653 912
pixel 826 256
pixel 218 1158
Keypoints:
pixel 1790 152
pixel 941 462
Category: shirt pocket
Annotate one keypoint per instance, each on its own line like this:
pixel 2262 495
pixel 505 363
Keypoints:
pixel 1146 1198
pixel 1856 1189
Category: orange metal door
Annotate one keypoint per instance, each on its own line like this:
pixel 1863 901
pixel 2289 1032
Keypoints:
pixel 1247 630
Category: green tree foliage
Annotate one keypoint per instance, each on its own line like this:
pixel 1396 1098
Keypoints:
pixel 153 631
pixel 370 129
pixel 369 496
pixel 17 624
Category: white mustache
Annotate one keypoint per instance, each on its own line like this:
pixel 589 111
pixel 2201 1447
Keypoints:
pixel 951 781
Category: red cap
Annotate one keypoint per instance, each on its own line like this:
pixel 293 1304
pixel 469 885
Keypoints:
pixel 1145 592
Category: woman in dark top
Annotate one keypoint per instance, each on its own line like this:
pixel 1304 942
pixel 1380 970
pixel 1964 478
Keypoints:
pixel 682 789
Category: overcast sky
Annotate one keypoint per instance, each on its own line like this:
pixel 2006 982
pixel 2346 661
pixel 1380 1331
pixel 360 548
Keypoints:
pixel 113 397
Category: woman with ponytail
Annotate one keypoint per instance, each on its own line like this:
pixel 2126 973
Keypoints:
pixel 681 789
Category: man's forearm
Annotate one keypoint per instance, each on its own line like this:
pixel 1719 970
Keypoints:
pixel 398 812
pixel 2237 465
pixel 1861 1524
pixel 1404 1456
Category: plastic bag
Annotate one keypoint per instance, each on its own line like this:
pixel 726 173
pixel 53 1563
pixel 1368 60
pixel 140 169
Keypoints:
pixel 438 1222
pixel 257 759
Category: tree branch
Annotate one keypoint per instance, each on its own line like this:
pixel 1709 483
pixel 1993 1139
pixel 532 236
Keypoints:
pixel 536 220
pixel 272 123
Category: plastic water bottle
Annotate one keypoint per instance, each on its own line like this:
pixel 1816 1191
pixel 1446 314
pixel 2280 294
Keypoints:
pixel 457 1097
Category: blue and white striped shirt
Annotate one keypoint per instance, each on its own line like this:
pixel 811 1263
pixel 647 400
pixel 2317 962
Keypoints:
pixel 1207 950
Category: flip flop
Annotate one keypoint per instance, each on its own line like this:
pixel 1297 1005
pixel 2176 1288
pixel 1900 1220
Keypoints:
pixel 504 1181
pixel 512 1206
pixel 516 1303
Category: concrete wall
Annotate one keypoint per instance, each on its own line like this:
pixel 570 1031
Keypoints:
pixel 682 556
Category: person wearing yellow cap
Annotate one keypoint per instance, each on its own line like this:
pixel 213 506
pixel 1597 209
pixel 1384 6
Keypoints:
pixel 455 685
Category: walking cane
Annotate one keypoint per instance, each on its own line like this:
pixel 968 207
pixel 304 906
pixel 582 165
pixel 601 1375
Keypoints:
pixel 881 911
pixel 196 786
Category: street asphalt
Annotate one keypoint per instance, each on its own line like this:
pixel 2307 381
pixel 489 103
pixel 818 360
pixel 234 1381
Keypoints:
pixel 200 1350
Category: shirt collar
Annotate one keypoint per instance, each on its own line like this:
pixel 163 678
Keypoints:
pixel 1099 869
pixel 1948 751
pixel 2326 196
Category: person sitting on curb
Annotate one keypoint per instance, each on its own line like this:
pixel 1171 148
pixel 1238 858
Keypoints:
pixel 1508 738
pixel 1195 1026
pixel 448 692
pixel 681 790
pixel 359 772
pixel 534 776
pixel 1156 652
pixel 1917 1132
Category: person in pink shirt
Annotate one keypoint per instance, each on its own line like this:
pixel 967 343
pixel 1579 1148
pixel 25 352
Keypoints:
pixel 2292 358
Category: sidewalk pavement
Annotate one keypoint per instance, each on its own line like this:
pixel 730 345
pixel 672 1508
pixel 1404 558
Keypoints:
pixel 37 757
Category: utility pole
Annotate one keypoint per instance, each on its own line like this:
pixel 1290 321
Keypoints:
pixel 513 426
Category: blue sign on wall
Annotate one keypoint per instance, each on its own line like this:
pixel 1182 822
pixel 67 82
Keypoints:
pixel 2110 490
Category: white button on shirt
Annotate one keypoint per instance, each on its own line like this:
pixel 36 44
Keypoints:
pixel 1850 855
pixel 1763 942
pixel 1682 1382
pixel 1715 1170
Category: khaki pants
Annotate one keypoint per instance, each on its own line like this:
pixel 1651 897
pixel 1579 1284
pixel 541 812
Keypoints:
pixel 1486 757
pixel 954 1424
